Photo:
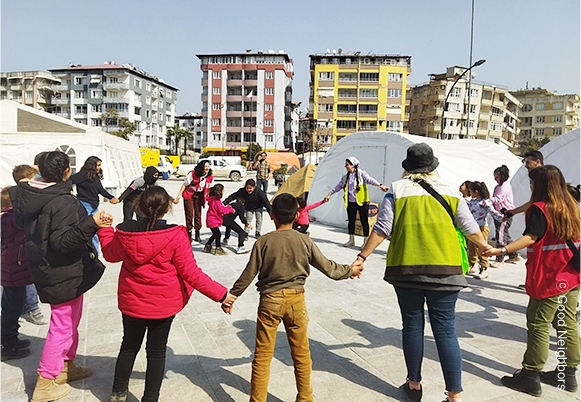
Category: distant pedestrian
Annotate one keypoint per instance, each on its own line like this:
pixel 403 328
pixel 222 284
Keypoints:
pixel 254 201
pixel 302 222
pixel 194 190
pixel 262 172
pixel 231 225
pixel 214 218
pixel 137 187
pixel 354 184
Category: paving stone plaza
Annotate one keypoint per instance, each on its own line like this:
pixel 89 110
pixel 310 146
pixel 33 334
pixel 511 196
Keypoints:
pixel 354 331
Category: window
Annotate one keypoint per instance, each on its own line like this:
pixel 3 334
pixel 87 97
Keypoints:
pixel 347 77
pixel 540 131
pixel 217 136
pixel 369 77
pixel 147 100
pixel 268 91
pixel 216 106
pixel 540 119
pixel 527 121
pixel 268 137
pixel 160 104
pixel 473 93
pixel 270 75
pixel 368 109
pixel 415 108
pixel 216 90
pixel 394 77
pixel 472 108
pixel 394 93
pixel 495 126
pixel 96 94
pixel 147 86
pixel 268 123
pixel 80 94
pixel 558 105
pixel 29 94
pixel 81 109
pixel 393 125
pixel 137 97
pixel 557 119
pixel 137 83
pixel 79 80
pixel 326 76
pixel 414 122
pixel 540 106
pixel 137 110
pixel 216 75
pixel 496 112
pixel 456 92
pixel 169 94
pixel 111 94
pixel 346 124
pixel 368 93
pixel 326 108
pixel 556 131
pixel 268 107
pixel 453 107
pixel 113 80
pixel 97 108
pixel 527 108
pixel 215 122
pixel 470 123
pixel 451 122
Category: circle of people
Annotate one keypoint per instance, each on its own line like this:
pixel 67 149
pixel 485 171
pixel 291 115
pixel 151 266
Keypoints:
pixel 426 262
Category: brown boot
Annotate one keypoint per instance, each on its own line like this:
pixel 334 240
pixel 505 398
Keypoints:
pixel 72 372
pixel 48 390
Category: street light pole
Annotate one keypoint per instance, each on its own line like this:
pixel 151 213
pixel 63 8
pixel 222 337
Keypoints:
pixel 445 106
pixel 470 76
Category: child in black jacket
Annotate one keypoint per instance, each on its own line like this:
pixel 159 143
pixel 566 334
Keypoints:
pixel 230 225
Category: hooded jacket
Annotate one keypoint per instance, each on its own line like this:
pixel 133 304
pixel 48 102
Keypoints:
pixel 14 265
pixel 63 262
pixel 139 185
pixel 159 271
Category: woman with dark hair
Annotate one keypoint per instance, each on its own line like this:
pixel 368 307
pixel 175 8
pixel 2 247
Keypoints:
pixel 137 187
pixel 354 183
pixel 88 182
pixel 194 190
pixel 502 199
pixel 63 266
pixel 552 282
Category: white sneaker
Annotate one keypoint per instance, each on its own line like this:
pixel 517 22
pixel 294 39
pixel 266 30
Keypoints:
pixel 242 250
pixel 496 264
pixel 473 269
pixel 482 275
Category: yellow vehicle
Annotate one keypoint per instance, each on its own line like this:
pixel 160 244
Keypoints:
pixel 167 164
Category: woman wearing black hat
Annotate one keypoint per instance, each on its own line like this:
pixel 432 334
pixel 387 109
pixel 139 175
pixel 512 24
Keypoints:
pixel 424 262
pixel 137 187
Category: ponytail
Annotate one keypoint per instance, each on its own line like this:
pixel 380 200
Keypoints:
pixel 153 203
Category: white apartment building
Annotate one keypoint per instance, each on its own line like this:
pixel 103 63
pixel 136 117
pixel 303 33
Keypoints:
pixel 483 111
pixel 30 88
pixel 86 92
pixel 193 123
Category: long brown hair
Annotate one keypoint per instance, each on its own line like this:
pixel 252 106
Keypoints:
pixel 563 211
pixel 153 203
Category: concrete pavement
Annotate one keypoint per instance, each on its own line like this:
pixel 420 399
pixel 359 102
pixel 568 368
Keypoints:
pixel 354 330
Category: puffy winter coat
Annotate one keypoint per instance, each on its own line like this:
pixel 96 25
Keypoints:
pixel 216 211
pixel 62 259
pixel 15 270
pixel 159 271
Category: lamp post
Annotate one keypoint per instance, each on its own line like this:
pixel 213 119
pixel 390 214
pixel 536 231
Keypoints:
pixel 478 63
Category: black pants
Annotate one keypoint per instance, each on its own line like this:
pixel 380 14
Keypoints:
pixel 300 228
pixel 239 231
pixel 216 235
pixel 133 333
pixel 352 209
pixel 12 304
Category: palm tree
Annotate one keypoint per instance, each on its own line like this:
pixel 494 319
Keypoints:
pixel 177 133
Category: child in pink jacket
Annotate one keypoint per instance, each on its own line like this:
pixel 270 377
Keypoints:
pixel 157 278
pixel 302 224
pixel 214 218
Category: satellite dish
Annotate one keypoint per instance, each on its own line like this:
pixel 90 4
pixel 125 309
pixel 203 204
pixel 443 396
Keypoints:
pixel 340 51
pixel 328 51
pixel 334 51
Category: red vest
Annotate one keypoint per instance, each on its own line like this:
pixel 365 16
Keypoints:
pixel 550 271
pixel 195 186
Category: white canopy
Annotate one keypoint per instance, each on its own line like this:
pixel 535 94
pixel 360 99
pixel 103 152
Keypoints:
pixel 25 132
pixel 381 154
pixel 562 152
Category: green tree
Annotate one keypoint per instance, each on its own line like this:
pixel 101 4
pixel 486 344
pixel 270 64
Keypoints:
pixel 127 129
pixel 530 144
pixel 253 149
pixel 177 133
pixel 111 119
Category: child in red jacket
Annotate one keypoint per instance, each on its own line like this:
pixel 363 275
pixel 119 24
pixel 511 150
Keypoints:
pixel 302 222
pixel 158 275
pixel 214 218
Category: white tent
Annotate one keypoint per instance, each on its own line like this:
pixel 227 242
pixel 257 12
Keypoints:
pixel 562 152
pixel 25 132
pixel 381 154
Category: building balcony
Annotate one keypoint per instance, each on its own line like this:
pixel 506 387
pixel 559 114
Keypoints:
pixel 249 113
pixel 494 117
pixel 205 98
pixel 346 114
pixel 116 85
pixel 233 129
pixel 234 83
pixel 64 115
pixel 251 83
pixel 60 101
pixel 204 82
pixel 204 113
pixel 58 88
pixel 482 132
pixel 485 101
pixel 233 113
pixel 107 99
pixel 235 98
pixel 115 72
pixel 439 97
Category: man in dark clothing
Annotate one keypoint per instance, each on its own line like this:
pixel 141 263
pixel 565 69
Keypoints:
pixel 230 225
pixel 254 201
pixel 137 187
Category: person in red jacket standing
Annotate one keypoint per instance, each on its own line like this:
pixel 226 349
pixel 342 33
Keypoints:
pixel 215 217
pixel 158 275
pixel 551 236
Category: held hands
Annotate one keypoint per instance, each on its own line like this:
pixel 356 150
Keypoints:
pixel 103 219
pixel 176 200
pixel 384 188
pixel 228 302
pixel 114 200
pixel 489 252
pixel 249 226
pixel 357 268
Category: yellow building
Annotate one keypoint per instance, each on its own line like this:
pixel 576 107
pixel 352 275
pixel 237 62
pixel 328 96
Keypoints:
pixel 350 92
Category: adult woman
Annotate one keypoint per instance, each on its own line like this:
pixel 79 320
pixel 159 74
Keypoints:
pixel 137 187
pixel 88 182
pixel 552 282
pixel 502 199
pixel 354 183
pixel 194 190
pixel 63 266
pixel 424 263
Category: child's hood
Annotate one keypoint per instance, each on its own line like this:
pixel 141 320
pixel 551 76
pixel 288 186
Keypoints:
pixel 144 246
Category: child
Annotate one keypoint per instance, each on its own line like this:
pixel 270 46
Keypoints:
pixel 15 277
pixel 231 225
pixel 158 275
pixel 216 211
pixel 480 206
pixel 282 260
pixel 465 190
pixel 302 222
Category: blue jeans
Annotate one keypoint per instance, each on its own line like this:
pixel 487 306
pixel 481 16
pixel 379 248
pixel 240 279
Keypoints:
pixel 31 299
pixel 262 184
pixel 442 311
pixel 90 211
pixel 12 302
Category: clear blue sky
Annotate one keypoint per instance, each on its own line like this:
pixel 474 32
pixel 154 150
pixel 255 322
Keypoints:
pixel 522 40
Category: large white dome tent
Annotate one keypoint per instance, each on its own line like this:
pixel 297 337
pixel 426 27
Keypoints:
pixel 562 152
pixel 381 154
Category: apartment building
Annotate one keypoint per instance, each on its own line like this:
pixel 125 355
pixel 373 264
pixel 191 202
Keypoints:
pixel 246 97
pixel 31 88
pixel 474 109
pixel 545 113
pixel 192 122
pixel 86 92
pixel 351 92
